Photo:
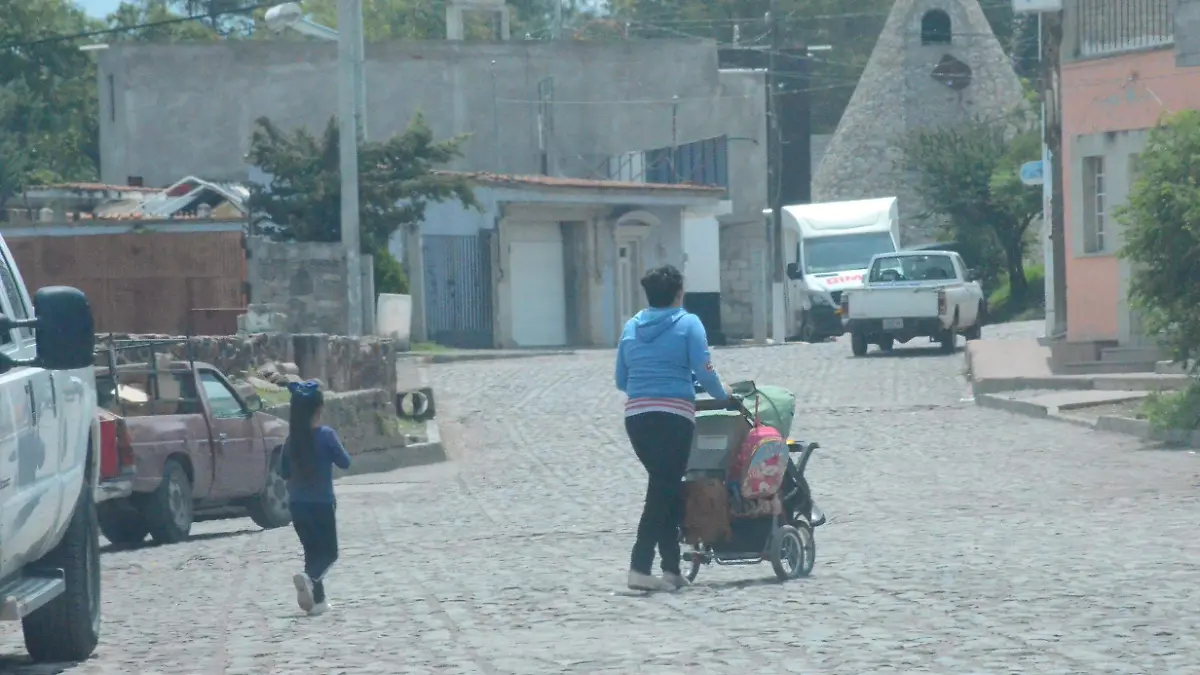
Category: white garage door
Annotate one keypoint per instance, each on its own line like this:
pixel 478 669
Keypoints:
pixel 539 290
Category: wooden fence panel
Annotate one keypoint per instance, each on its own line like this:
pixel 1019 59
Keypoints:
pixel 140 282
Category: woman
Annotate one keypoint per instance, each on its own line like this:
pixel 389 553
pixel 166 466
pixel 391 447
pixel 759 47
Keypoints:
pixel 663 351
pixel 312 450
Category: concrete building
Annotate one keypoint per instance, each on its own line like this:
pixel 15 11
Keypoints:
pixel 569 108
pixel 936 63
pixel 552 262
pixel 1120 74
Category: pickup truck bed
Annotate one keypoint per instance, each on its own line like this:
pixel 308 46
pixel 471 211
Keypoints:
pixel 914 294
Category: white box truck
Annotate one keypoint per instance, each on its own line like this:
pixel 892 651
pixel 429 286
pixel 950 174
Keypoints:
pixel 828 247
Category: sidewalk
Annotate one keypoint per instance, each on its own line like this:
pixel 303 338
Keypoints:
pixel 1020 364
pixel 1014 375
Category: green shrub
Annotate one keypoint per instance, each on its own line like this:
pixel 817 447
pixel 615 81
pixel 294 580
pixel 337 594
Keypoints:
pixel 389 274
pixel 999 307
pixel 1175 409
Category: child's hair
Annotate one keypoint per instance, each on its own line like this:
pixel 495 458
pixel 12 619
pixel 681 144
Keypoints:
pixel 307 401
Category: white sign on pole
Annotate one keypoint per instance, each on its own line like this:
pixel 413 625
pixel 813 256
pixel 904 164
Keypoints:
pixel 1036 6
pixel 1032 173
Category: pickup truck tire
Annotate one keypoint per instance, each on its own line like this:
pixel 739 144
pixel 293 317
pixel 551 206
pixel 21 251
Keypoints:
pixel 886 343
pixel 269 509
pixel 68 628
pixel 168 510
pixel 122 525
pixel 976 332
pixel 858 344
pixel 949 336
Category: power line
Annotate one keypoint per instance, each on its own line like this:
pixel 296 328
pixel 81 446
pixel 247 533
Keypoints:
pixel 69 37
pixel 794 15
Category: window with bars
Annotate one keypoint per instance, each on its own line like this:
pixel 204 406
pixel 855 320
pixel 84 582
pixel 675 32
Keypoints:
pixel 1095 206
pixel 1114 26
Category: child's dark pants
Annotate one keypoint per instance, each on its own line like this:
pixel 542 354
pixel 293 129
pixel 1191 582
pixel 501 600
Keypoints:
pixel 316 525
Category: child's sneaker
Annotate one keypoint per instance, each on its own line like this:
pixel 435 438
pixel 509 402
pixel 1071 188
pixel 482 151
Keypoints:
pixel 646 582
pixel 304 592
pixel 678 581
pixel 319 609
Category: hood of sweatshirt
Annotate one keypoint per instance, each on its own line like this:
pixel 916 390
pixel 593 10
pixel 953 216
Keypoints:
pixel 651 323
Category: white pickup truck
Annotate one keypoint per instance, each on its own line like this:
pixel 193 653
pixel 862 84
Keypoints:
pixel 49 465
pixel 914 294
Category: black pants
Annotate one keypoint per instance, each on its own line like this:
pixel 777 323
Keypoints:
pixel 316 525
pixel 662 442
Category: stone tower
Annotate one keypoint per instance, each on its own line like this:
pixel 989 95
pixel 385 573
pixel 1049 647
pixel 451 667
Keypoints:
pixel 936 63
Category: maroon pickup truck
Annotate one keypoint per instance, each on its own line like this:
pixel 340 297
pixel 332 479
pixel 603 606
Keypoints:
pixel 200 450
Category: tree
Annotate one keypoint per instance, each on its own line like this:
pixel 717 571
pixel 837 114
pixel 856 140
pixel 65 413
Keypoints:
pixel 969 175
pixel 1161 222
pixel 397 179
pixel 49 117
pixel 418 20
pixel 143 12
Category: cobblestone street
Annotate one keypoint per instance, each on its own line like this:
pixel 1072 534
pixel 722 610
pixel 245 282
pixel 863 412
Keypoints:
pixel 961 540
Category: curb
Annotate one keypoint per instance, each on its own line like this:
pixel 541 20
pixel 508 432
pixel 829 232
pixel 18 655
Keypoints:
pixel 1027 408
pixel 401 457
pixel 1143 430
pixel 1078 383
pixel 506 356
pixel 1111 423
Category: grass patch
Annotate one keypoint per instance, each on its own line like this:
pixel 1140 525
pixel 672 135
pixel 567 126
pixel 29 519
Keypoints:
pixel 430 347
pixel 1001 309
pixel 1175 409
pixel 274 397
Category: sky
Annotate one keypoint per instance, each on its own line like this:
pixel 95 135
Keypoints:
pixel 98 8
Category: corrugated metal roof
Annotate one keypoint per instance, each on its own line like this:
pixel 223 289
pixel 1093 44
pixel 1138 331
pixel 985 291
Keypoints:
pixel 94 187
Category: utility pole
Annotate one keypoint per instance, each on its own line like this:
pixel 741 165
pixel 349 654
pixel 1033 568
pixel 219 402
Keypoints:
pixel 351 121
pixel 1050 33
pixel 775 177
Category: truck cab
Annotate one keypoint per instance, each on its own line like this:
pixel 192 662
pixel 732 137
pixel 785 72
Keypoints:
pixel 49 540
pixel 829 246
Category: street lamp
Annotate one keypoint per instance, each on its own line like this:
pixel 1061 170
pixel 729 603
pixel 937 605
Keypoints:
pixel 352 127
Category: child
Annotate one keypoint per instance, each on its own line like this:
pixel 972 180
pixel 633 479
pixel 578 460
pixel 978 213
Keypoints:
pixel 311 452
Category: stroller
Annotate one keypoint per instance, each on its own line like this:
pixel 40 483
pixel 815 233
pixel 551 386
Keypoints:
pixel 776 522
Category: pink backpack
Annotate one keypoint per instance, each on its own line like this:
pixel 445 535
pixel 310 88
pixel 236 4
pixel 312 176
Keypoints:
pixel 761 462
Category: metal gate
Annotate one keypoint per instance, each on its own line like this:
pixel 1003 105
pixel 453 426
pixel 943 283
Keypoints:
pixel 458 289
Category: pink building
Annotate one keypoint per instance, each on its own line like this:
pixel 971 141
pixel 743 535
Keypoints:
pixel 1119 76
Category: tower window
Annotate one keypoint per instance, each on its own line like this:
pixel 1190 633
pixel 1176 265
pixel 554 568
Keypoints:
pixel 935 28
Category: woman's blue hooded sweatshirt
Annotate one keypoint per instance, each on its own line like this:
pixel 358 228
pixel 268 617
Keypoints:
pixel 662 353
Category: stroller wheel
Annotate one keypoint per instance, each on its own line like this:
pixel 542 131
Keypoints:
pixel 790 553
pixel 810 550
pixel 695 560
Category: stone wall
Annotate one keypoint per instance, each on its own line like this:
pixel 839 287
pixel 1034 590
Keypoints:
pixel 342 363
pixel 365 420
pixel 300 287
pixel 738 277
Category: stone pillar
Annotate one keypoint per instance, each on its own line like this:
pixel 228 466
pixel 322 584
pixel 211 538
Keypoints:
pixel 414 263
pixel 370 321
pixel 312 356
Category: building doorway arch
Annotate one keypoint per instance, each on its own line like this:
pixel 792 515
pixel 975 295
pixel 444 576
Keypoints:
pixel 633 233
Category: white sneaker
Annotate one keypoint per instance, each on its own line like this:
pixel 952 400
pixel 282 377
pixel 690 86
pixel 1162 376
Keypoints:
pixel 304 592
pixel 677 581
pixel 319 609
pixel 646 582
